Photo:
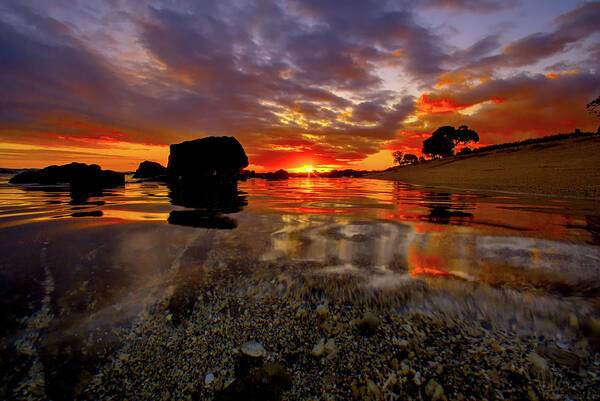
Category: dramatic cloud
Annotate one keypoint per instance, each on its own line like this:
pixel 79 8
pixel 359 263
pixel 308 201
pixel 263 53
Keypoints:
pixel 477 6
pixel 298 82
pixel 506 110
pixel 570 29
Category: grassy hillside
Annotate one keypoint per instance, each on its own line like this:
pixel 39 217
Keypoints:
pixel 563 167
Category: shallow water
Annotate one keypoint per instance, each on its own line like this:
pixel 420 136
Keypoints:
pixel 74 265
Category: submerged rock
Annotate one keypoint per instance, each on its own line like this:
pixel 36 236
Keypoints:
pixel 368 324
pixel 251 356
pixel 148 169
pixel 253 349
pixel 181 303
pixel 262 383
pixel 208 379
pixel 323 348
pixel 319 348
pixel 322 311
pixel 435 391
pixel 538 366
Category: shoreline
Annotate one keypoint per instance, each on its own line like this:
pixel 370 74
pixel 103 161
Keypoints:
pixel 562 168
pixel 340 344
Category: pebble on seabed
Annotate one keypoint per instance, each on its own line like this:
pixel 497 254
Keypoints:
pixel 253 349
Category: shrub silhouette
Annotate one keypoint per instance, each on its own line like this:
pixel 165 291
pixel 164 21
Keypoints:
pixel 397 157
pixel 409 158
pixel 593 107
pixel 443 140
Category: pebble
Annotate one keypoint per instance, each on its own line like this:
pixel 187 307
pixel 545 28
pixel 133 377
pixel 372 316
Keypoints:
pixel 369 323
pixel 435 391
pixel 253 349
pixel 301 313
pixel 538 366
pixel 208 379
pixel 417 378
pixel 322 311
pixel 330 348
pixel 319 348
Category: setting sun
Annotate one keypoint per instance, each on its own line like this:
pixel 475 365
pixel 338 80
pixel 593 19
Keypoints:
pixel 309 169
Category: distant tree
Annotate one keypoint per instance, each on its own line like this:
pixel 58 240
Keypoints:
pixel 409 158
pixel 443 140
pixel 439 144
pixel 397 157
pixel 593 107
pixel 465 151
pixel 464 135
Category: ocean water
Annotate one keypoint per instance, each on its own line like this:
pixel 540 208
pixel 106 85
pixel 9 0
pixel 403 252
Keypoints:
pixel 77 265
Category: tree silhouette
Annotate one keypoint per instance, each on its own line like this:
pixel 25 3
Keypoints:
pixel 593 107
pixel 443 140
pixel 409 158
pixel 397 157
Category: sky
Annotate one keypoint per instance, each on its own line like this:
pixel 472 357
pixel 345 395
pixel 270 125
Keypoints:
pixel 300 83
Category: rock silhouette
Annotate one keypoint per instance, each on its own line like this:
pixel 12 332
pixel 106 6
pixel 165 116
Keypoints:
pixel 148 169
pixel 77 175
pixel 211 159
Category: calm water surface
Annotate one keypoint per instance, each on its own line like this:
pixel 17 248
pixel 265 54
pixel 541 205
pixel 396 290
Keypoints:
pixel 71 264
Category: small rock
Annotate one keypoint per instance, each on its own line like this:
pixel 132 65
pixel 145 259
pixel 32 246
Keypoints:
pixel 374 390
pixel 265 383
pixel 417 378
pixel 561 356
pixel 253 349
pixel 435 391
pixel 330 348
pixel 368 324
pixel 319 348
pixel 301 313
pixel 391 381
pixel 404 369
pixel 322 311
pixel 539 366
pixel 251 356
pixel 208 379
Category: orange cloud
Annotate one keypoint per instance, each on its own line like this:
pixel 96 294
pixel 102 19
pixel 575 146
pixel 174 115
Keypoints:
pixel 554 75
pixel 427 104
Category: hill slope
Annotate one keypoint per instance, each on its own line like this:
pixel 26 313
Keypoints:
pixel 568 167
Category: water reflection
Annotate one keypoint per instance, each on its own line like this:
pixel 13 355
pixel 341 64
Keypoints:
pixel 444 208
pixel 209 202
pixel 386 232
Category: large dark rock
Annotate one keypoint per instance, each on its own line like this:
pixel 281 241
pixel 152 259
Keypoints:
pixel 148 169
pixel 211 159
pixel 78 175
